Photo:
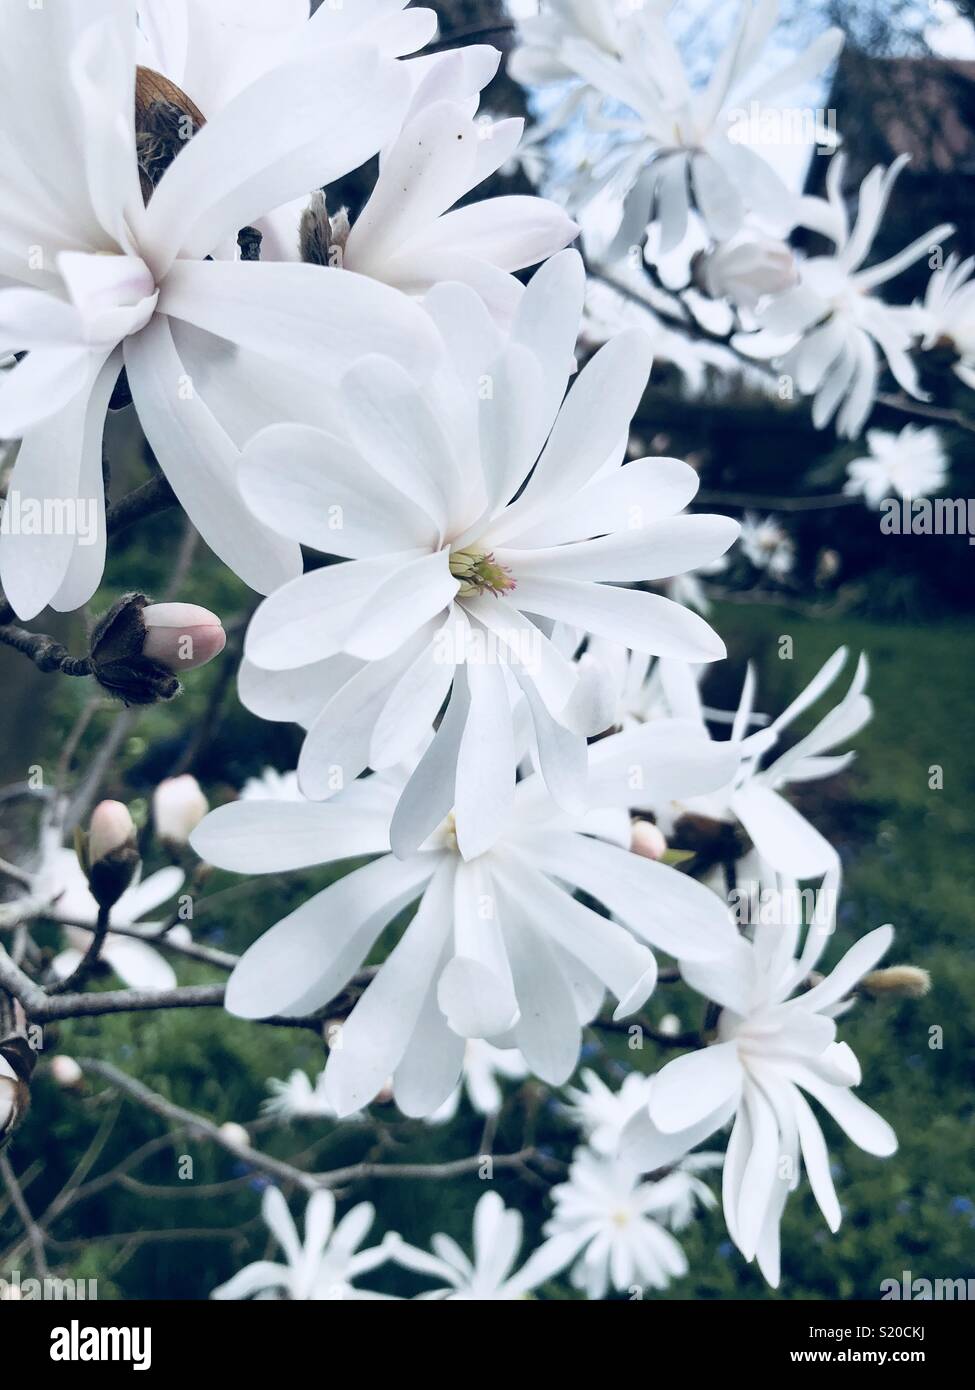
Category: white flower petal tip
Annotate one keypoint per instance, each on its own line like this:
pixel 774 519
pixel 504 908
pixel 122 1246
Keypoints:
pixel 474 1001
pixel 638 995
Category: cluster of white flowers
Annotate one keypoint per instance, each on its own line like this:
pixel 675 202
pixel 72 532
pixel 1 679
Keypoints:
pixel 498 666
pixel 679 169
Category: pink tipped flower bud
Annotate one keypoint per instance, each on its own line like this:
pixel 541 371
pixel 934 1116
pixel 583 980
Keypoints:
pixel 109 853
pixel 182 635
pixel 647 840
pixel 235 1134
pixel 111 829
pixel 178 806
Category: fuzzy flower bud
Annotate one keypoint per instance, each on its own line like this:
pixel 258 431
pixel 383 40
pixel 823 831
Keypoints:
pixel 897 982
pixel 745 268
pixel 66 1072
pixel 178 806
pixel 182 636
pixel 108 853
pixel 235 1134
pixel 112 828
pixel 647 840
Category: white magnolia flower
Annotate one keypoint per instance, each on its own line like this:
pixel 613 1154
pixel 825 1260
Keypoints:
pixel 137 964
pixel 912 463
pixel 271 785
pixel 212 348
pixel 689 1193
pixel 681 141
pixel 771 1047
pixel 489 1277
pixel 767 545
pixel 785 841
pixel 601 1113
pixel 499 948
pixel 450 585
pixel 320 1268
pixel 612 1222
pixel 483 1066
pixel 947 315
pixel 828 331
pixel 296 1098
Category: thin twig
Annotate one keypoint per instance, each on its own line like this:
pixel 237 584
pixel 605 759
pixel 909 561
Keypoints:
pixel 86 966
pixel 33 1231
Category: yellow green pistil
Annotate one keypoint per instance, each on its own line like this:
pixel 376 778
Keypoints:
pixel 479 573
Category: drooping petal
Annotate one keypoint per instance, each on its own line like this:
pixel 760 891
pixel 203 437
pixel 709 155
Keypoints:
pixel 59 467
pixel 200 462
pixel 375 1037
pixel 305 959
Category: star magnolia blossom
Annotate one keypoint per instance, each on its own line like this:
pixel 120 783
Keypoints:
pixel 489 1277
pixel 212 349
pixel 770 1049
pixel 296 1098
pixel 450 585
pixel 601 1113
pixel 682 141
pixel 947 315
pixel 608 1221
pixel 767 546
pixel 499 948
pixel 828 331
pixel 321 1268
pixel 912 463
pixel 135 962
pixel 784 840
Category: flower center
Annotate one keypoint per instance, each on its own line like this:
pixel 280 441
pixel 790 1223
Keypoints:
pixel 479 573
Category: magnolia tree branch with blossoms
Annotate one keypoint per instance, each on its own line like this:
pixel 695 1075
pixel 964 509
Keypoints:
pixel 407 432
